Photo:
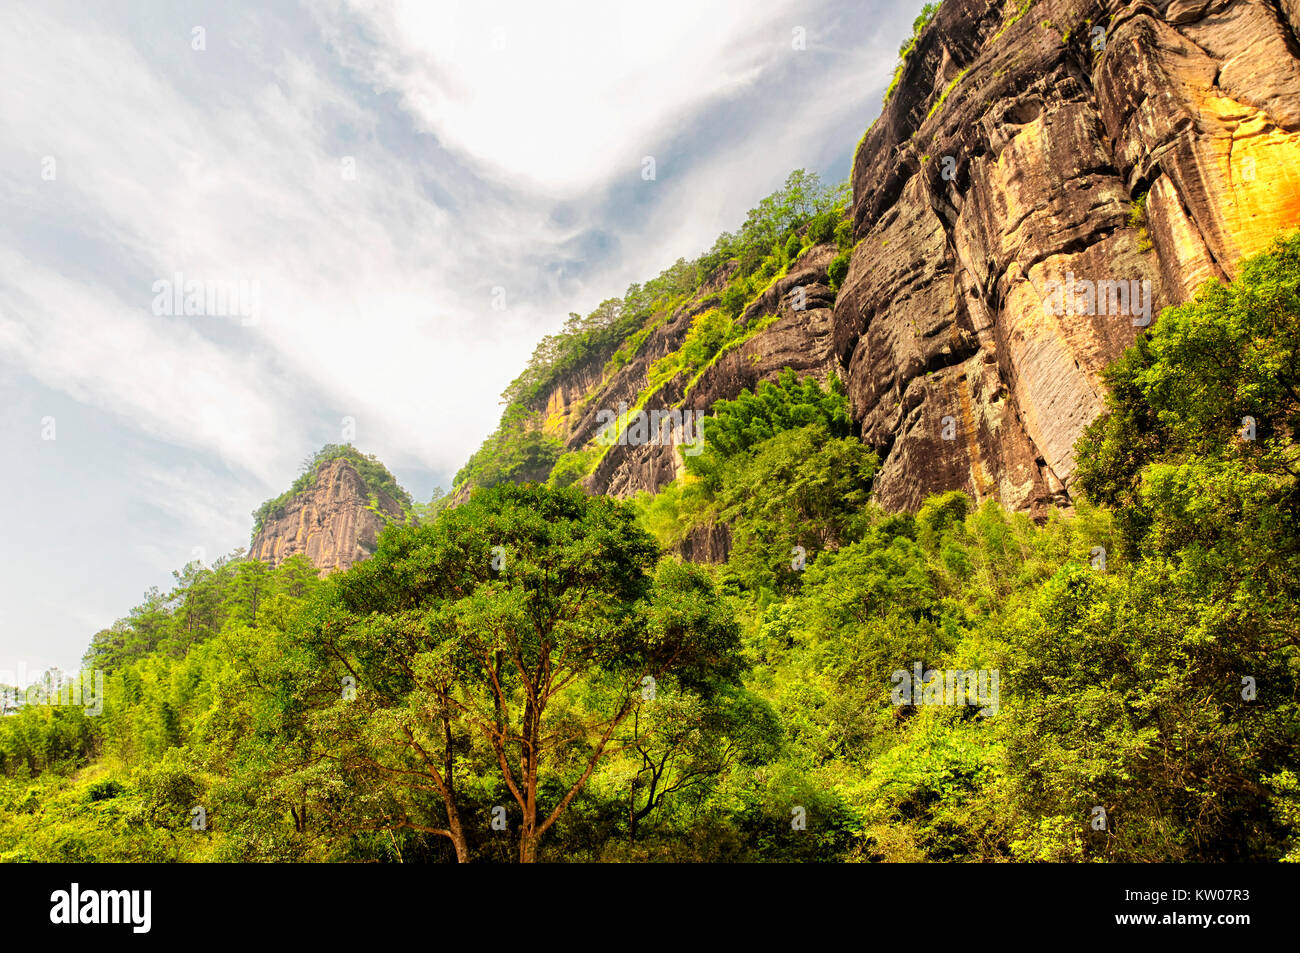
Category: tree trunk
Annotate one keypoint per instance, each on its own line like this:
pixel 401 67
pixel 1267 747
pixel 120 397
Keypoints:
pixel 457 835
pixel 527 849
pixel 528 763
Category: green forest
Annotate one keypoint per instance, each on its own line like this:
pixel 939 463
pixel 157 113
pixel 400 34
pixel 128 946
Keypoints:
pixel 533 676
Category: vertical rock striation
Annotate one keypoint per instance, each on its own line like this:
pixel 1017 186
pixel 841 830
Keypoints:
pixel 1028 144
pixel 334 523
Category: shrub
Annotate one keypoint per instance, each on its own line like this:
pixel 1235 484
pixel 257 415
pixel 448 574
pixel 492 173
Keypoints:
pixel 838 270
pixel 734 298
pixel 1137 219
pixel 822 228
pixel 104 790
pixel 572 467
pixel 844 234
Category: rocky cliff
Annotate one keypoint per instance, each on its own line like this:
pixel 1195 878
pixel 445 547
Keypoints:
pixel 799 335
pixel 334 520
pixel 1044 178
pixel 1031 144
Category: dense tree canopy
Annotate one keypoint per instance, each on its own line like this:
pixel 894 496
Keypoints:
pixel 533 675
pixel 517 630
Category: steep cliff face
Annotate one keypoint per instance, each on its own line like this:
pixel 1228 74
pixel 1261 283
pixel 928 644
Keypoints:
pixel 1044 178
pixel 797 334
pixel 1018 146
pixel 334 522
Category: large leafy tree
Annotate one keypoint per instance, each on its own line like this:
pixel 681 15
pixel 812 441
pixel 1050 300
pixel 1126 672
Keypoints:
pixel 1197 450
pixel 802 488
pixel 1198 439
pixel 499 650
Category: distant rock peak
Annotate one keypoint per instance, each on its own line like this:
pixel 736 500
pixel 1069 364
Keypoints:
pixel 334 521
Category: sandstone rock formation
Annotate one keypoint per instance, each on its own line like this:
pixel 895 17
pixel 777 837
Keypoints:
pixel 334 523
pixel 1027 146
pixel 1010 156
pixel 800 336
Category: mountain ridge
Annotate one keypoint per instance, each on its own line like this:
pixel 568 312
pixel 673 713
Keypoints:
pixel 1017 147
pixel 1018 158
pixel 333 512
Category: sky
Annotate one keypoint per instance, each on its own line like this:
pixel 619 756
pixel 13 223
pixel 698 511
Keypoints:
pixel 385 206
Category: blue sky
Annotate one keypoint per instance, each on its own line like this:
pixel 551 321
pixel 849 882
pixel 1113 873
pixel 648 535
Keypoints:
pixel 491 146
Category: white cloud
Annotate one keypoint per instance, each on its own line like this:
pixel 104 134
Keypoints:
pixel 560 95
pixel 475 168
pixel 357 276
pixel 158 373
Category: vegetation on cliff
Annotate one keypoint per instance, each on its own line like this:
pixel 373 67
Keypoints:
pixel 803 212
pixel 376 476
pixel 530 677
pixel 920 23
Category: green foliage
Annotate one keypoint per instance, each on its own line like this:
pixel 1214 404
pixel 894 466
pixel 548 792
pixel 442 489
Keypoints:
pixel 43 738
pixel 822 227
pixel 780 468
pixel 1210 511
pixel 738 425
pixel 1137 220
pixel 205 602
pixel 768 243
pixel 844 235
pixel 514 453
pixel 943 97
pixel 176 710
pixel 537 640
pixel 573 467
pixel 614 333
pixel 921 782
pixel 802 488
pixel 1169 453
pixel 1126 667
pixel 709 332
pixel 428 512
pixel 904 51
pixel 511 637
pixel 839 269
pixel 595 338
pixel 674 511
pixel 1016 16
pixel 763 237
